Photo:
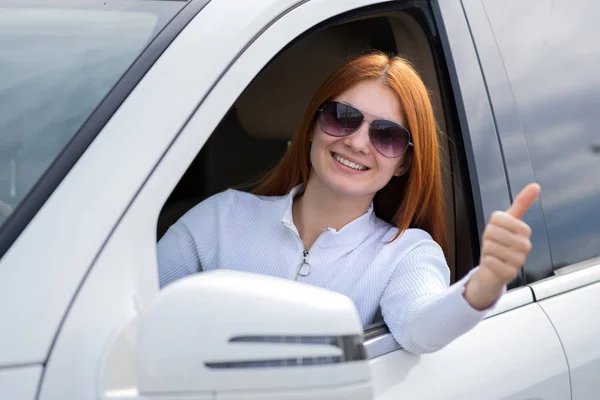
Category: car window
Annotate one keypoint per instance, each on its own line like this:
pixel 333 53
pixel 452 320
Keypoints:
pixel 551 56
pixel 58 60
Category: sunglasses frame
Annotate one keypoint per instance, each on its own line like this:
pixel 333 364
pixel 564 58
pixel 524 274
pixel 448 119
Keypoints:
pixel 320 115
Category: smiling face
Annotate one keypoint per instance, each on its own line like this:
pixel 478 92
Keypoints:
pixel 350 165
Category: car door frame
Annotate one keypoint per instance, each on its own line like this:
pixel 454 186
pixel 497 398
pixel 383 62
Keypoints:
pixel 125 265
pixel 519 170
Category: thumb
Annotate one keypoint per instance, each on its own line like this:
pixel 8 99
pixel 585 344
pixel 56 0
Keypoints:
pixel 524 200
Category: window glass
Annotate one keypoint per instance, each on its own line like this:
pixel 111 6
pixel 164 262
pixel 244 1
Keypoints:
pixel 551 56
pixel 57 63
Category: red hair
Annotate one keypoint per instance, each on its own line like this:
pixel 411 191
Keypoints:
pixel 413 200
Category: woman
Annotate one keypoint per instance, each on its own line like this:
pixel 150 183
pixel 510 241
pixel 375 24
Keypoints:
pixel 367 142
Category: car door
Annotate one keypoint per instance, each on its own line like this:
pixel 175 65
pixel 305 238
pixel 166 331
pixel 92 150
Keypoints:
pixel 515 352
pixel 550 89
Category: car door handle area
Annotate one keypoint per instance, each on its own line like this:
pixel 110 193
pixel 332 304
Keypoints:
pixel 512 355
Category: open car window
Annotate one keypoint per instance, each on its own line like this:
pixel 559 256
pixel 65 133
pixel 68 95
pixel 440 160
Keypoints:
pixel 256 130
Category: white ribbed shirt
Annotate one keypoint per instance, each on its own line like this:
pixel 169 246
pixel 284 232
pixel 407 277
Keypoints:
pixel 408 278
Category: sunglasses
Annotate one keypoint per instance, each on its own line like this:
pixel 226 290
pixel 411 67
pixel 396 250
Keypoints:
pixel 340 119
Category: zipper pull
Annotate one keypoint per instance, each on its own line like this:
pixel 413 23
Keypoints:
pixel 303 269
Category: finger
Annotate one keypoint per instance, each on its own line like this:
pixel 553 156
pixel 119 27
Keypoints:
pixel 501 270
pixel 507 238
pixel 524 200
pixel 503 253
pixel 506 221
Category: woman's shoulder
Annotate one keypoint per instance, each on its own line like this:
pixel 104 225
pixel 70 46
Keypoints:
pixel 389 231
pixel 410 239
pixel 252 198
pixel 232 201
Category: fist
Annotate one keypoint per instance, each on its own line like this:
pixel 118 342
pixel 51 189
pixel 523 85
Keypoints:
pixel 505 247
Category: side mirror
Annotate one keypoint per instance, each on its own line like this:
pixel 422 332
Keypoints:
pixel 234 335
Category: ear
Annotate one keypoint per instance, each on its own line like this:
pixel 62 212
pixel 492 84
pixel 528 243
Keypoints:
pixel 404 165
pixel 401 170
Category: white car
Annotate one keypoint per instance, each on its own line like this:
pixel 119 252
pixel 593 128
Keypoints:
pixel 117 116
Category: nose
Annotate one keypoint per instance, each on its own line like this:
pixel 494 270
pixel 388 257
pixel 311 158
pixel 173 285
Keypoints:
pixel 359 141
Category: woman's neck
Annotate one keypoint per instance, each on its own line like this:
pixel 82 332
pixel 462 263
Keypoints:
pixel 320 208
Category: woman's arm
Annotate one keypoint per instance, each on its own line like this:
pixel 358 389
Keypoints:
pixel 424 314
pixel 422 311
pixel 177 254
pixel 189 246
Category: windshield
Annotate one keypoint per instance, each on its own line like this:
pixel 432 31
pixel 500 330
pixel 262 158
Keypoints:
pixel 58 60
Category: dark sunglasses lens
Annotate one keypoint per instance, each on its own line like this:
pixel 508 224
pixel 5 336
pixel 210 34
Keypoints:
pixel 388 138
pixel 339 119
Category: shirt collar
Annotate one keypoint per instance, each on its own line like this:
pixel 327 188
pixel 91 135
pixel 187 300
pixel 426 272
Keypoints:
pixel 352 234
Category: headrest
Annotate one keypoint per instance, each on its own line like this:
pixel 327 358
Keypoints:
pixel 272 106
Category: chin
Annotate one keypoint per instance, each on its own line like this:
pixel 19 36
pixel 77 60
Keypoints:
pixel 349 189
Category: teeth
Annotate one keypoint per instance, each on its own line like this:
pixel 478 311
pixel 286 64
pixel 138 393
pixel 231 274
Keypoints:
pixel 350 164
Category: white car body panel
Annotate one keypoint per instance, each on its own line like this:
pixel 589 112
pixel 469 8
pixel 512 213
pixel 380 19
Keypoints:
pixel 514 355
pixel 20 383
pixel 571 303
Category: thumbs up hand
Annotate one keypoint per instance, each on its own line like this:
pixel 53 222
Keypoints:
pixel 505 247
